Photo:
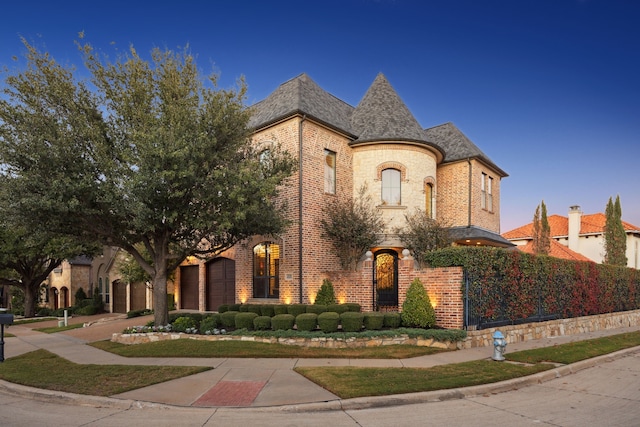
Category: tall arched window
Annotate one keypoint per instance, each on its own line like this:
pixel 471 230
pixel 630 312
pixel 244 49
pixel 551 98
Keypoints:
pixel 428 200
pixel 391 187
pixel 266 270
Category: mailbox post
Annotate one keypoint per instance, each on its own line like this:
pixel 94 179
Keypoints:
pixel 5 319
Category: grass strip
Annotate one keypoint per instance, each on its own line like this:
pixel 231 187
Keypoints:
pixel 578 350
pixel 45 370
pixel 198 348
pixel 54 329
pixel 350 382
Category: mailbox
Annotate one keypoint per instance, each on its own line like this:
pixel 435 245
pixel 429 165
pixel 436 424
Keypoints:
pixel 6 319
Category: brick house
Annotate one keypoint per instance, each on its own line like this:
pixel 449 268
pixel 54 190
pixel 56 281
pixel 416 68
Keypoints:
pixel 339 148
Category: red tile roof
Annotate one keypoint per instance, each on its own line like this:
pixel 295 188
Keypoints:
pixel 559 225
pixel 557 250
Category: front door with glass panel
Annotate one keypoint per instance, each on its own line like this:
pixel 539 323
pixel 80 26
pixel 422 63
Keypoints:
pixel 385 278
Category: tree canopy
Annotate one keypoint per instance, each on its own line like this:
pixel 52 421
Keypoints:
pixel 146 154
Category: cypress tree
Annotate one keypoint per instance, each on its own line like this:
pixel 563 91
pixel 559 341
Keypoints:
pixel 541 230
pixel 615 238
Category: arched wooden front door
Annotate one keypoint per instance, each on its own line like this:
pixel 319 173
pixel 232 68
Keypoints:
pixel 385 280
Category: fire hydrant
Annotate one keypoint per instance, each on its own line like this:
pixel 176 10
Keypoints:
pixel 499 344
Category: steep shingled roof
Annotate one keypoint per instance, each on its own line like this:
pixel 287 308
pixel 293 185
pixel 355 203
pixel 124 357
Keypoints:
pixel 302 95
pixel 457 145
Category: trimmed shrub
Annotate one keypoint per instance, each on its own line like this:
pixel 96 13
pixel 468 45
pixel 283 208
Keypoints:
pixel 326 294
pixel 209 323
pixel 296 309
pixel 351 321
pixel 44 312
pixel 137 313
pixel 87 310
pixel 244 308
pixel 228 318
pixel 80 296
pixel 223 308
pixel 329 321
pixel 234 307
pixel 316 308
pixel 307 321
pixel 392 320
pixel 373 320
pixel 280 309
pixel 282 322
pixel 267 310
pixel 417 311
pixel 262 323
pixel 338 308
pixel 245 320
pixel 353 306
pixel 254 308
pixel 183 323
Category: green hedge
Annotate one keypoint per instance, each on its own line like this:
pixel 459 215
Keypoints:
pixel 338 308
pixel 296 309
pixel 245 320
pixel 280 309
pixel 373 320
pixel 351 321
pixel 307 321
pixel 329 321
pixel 262 323
pixel 267 310
pixel 392 320
pixel 209 323
pixel 282 322
pixel 228 318
pixel 316 308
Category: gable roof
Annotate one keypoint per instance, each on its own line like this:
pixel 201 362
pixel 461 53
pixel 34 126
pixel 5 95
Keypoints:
pixel 458 146
pixel 559 227
pixel 557 250
pixel 301 95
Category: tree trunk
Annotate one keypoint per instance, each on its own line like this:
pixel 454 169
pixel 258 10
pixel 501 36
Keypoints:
pixel 160 307
pixel 30 298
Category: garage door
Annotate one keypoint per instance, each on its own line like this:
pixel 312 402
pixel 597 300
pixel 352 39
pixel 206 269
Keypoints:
pixel 119 297
pixel 189 287
pixel 221 283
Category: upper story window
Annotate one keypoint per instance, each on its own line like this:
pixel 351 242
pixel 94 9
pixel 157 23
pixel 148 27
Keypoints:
pixel 391 187
pixel 329 172
pixel 266 270
pixel 486 189
pixel 428 202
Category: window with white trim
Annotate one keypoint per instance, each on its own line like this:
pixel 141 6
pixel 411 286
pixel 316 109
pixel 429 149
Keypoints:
pixel 391 187
pixel 329 172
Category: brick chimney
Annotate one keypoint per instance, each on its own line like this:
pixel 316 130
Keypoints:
pixel 575 217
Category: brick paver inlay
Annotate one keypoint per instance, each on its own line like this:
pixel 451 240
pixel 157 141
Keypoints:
pixel 231 393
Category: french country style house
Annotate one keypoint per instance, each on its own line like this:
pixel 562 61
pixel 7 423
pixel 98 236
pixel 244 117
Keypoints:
pixel 339 148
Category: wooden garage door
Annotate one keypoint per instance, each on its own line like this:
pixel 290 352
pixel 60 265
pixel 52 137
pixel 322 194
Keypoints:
pixel 221 283
pixel 189 287
pixel 138 296
pixel 119 297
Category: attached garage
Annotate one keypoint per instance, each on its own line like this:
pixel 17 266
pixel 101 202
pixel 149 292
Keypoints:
pixel 221 283
pixel 189 275
pixel 119 297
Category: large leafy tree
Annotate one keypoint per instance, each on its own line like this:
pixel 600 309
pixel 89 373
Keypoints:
pixel 615 238
pixel 149 154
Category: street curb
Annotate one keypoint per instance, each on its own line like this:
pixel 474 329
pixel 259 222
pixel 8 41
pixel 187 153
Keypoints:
pixel 60 397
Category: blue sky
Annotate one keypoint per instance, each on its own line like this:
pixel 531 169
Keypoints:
pixel 548 89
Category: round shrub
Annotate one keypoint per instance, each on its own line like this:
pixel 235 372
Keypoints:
pixel 392 320
pixel 209 323
pixel 282 322
pixel 417 311
pixel 228 318
pixel 328 321
pixel 279 309
pixel 338 308
pixel 296 309
pixel 351 321
pixel 353 306
pixel 244 308
pixel 245 320
pixel 254 308
pixel 234 307
pixel 267 310
pixel 307 321
pixel 223 308
pixel 316 308
pixel 183 323
pixel 373 320
pixel 262 323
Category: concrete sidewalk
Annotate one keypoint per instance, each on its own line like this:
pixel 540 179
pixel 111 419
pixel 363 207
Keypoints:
pixel 236 382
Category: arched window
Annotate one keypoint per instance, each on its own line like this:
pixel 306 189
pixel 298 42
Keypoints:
pixel 428 200
pixel 266 270
pixel 391 187
pixel 329 172
pixel 107 289
pixel 100 286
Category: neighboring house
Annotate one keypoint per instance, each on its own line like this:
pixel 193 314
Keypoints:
pixel 340 148
pixel 581 236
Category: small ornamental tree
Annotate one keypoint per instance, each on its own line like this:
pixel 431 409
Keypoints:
pixel 326 294
pixel 417 311
pixel 541 231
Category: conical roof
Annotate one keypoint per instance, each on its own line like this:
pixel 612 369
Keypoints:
pixel 382 115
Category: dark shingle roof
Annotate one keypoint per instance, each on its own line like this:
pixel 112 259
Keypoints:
pixel 302 95
pixel 457 145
